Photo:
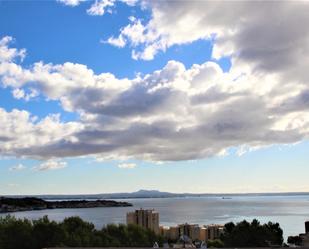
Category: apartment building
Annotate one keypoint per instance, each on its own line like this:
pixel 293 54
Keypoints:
pixel 148 219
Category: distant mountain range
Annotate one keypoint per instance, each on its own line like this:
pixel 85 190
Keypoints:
pixel 156 194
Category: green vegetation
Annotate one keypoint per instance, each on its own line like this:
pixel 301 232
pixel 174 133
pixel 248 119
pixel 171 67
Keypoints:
pixel 72 232
pixel 216 243
pixel 245 234
pixel 32 203
pixel 295 240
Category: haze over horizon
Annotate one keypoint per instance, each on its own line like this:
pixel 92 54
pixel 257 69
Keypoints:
pixel 112 96
pixel 144 193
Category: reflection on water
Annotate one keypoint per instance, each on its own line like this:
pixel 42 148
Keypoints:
pixel 290 211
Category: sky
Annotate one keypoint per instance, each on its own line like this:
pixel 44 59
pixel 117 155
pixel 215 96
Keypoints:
pixel 110 96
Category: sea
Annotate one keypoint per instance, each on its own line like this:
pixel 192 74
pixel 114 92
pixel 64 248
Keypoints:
pixel 290 211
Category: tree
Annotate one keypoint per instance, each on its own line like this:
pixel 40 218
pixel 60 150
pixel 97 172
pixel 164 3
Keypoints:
pixel 15 233
pixel 245 234
pixel 77 232
pixel 295 240
pixel 47 233
pixel 73 232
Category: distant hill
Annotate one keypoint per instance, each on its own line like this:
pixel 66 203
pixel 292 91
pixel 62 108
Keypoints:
pixel 156 194
pixel 125 195
pixel 143 194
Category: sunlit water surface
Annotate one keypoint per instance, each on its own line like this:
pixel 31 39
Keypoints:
pixel 290 211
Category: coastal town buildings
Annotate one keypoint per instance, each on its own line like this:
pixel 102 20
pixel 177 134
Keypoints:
pixel 305 236
pixel 173 233
pixel 305 239
pixel 190 230
pixel 302 239
pixel 146 218
pixel 214 231
pixel 203 233
pixel 150 219
pixel 193 231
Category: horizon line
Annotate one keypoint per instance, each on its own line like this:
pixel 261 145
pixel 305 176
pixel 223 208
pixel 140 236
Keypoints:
pixel 166 192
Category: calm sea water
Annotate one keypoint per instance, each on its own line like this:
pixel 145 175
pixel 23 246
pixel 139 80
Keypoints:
pixel 290 211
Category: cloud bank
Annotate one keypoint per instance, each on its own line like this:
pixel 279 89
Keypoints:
pixel 271 36
pixel 174 113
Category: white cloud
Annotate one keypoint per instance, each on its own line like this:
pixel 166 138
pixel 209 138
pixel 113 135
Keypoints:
pixel 71 3
pixel 136 34
pixel 50 165
pixel 174 113
pixel 130 2
pixel 99 7
pixel 8 54
pixel 117 42
pixel 20 94
pixel 17 167
pixel 19 131
pixel 269 36
pixel 127 165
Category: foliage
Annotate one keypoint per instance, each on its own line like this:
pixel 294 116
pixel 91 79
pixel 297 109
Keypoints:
pixel 15 233
pixel 217 243
pixel 72 232
pixel 245 234
pixel 23 202
pixel 295 240
pixel 32 203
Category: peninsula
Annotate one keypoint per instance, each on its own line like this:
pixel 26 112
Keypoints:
pixel 32 203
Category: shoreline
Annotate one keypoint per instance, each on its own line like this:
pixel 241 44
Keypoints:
pixel 11 205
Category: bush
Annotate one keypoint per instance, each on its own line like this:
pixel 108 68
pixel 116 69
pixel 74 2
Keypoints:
pixel 217 243
pixel 245 234
pixel 295 240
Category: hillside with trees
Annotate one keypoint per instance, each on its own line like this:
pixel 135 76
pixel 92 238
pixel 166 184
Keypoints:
pixel 32 203
pixel 72 232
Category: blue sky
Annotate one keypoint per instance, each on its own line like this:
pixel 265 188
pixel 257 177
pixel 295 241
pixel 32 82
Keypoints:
pixel 186 106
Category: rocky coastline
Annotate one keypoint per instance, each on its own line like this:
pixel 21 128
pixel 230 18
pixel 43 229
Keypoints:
pixel 8 205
